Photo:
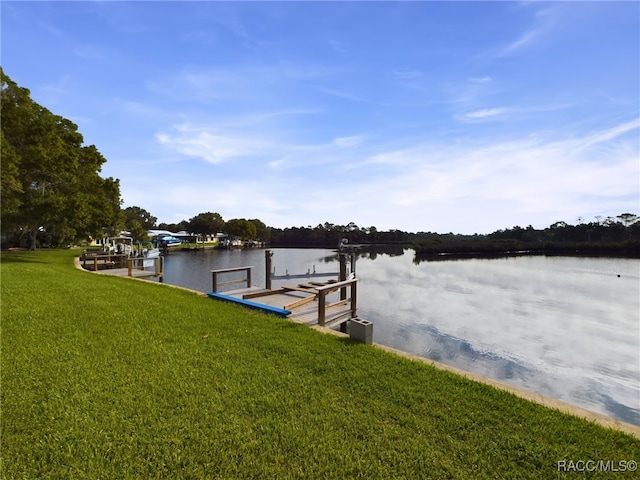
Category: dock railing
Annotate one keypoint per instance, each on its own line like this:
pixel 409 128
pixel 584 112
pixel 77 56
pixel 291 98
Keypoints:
pixel 324 290
pixel 98 260
pixel 216 273
pixel 141 264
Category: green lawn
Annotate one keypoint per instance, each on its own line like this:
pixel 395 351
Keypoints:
pixel 111 378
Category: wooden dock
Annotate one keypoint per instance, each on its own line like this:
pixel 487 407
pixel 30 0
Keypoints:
pixel 327 304
pixel 124 265
pixel 304 304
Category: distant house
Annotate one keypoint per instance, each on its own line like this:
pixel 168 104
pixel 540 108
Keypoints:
pixel 183 235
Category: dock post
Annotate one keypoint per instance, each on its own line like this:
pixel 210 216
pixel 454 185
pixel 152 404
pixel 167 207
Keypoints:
pixel 322 302
pixel 267 266
pixel 343 290
pixel 343 275
pixel 354 303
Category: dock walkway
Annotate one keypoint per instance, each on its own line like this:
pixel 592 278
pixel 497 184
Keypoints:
pixel 123 265
pixel 327 304
pixel 303 306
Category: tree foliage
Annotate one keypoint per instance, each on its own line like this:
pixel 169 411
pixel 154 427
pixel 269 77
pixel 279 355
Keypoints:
pixel 607 237
pixel 329 235
pixel 263 232
pixel 138 221
pixel 50 182
pixel 240 227
pixel 207 223
pixel 174 227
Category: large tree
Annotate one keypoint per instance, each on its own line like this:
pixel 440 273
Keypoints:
pixel 138 222
pixel 262 231
pixel 242 228
pixel 208 223
pixel 52 184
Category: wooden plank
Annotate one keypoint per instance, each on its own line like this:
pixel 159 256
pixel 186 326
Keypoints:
pixel 236 269
pixel 230 282
pixel 299 289
pixel 333 317
pixel 335 285
pixel 304 275
pixel 263 293
pixel 338 303
pixel 299 303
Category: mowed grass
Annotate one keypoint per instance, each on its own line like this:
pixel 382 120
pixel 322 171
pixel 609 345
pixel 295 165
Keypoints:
pixel 110 378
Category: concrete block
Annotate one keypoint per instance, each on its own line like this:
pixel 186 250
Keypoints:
pixel 361 330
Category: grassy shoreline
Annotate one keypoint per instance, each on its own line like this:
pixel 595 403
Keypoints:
pixel 110 378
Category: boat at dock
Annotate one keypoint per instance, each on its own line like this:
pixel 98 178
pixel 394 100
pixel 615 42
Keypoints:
pixel 121 245
pixel 168 242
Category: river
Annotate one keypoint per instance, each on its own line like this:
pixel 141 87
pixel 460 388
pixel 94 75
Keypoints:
pixel 564 327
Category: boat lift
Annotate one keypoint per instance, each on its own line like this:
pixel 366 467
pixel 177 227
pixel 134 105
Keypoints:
pixel 270 271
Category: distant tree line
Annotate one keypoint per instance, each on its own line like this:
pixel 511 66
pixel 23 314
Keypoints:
pixel 609 237
pixel 211 223
pixel 329 235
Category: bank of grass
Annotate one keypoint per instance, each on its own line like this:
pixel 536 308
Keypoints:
pixel 113 378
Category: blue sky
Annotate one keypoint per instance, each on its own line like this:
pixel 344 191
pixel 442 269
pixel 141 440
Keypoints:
pixel 423 116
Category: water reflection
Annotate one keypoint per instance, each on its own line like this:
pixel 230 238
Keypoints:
pixel 564 327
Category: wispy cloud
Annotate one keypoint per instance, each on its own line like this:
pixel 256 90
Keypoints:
pixel 352 141
pixel 525 39
pixel 610 133
pixel 480 115
pixel 484 113
pixel 211 146
pixel 528 179
pixel 544 21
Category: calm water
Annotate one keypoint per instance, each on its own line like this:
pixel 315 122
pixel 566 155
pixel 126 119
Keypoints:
pixel 565 327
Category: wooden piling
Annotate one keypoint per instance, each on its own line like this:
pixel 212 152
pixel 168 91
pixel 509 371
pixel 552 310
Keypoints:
pixel 268 254
pixel 343 291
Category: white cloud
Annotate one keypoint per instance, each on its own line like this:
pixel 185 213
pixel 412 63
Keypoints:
pixel 480 114
pixel 209 146
pixel 466 187
pixel 352 141
pixel 497 185
pixel 611 133
pixel 487 112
